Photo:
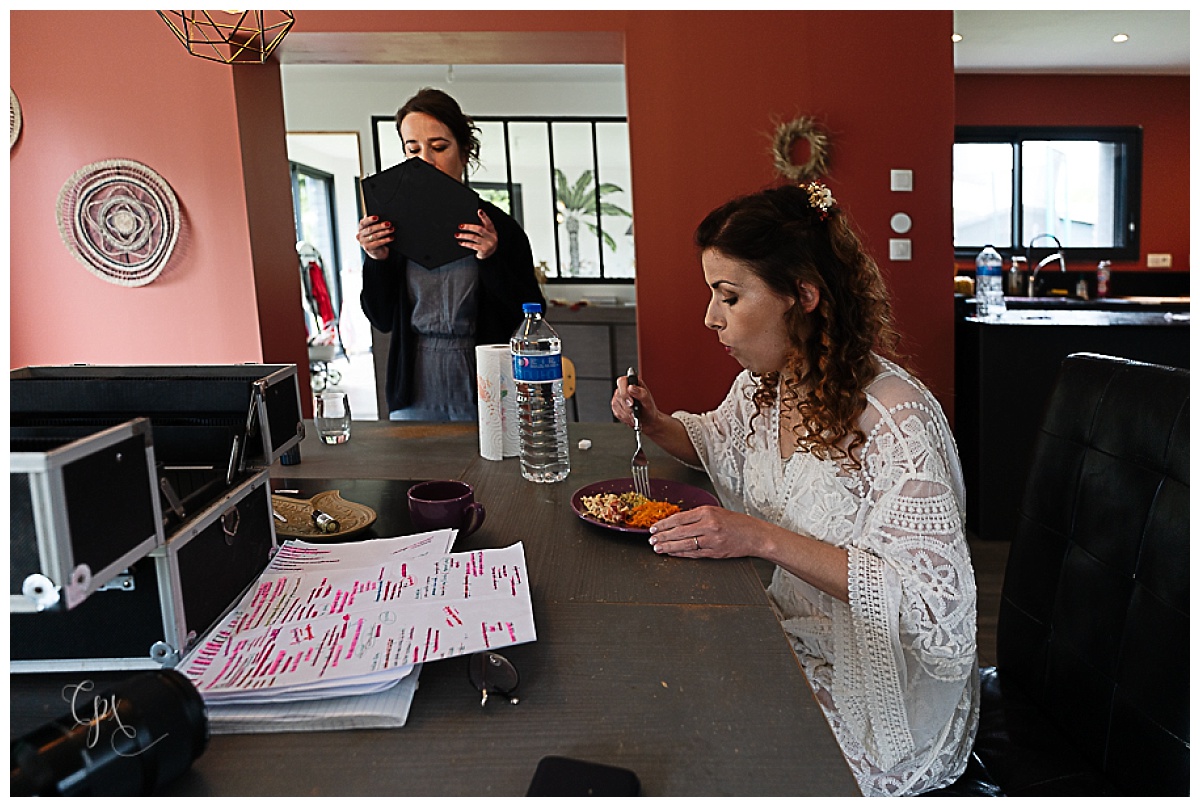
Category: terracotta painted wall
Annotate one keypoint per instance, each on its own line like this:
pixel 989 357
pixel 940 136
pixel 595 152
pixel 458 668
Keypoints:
pixel 705 90
pixel 99 86
pixel 1159 104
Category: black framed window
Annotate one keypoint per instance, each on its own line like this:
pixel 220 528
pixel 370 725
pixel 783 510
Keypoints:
pixel 566 180
pixel 314 208
pixel 1081 185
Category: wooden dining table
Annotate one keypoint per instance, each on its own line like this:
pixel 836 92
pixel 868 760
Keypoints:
pixel 675 669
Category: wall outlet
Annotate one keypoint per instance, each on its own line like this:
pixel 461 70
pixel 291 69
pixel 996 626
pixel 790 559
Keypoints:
pixel 1158 260
pixel 900 249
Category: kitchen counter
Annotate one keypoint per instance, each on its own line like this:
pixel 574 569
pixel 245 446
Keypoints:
pixel 1158 303
pixel 1086 316
pixel 602 342
pixel 592 313
pixel 1005 368
pixel 1138 303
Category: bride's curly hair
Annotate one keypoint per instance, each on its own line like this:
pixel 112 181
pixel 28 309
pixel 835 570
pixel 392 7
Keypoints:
pixel 786 239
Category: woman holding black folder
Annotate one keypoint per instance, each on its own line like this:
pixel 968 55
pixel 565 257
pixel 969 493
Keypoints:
pixel 436 316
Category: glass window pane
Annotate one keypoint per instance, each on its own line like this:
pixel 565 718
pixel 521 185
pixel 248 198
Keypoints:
pixel 1067 190
pixel 616 198
pixel 314 213
pixel 1081 185
pixel 983 183
pixel 491 153
pixel 391 150
pixel 571 237
pixel 490 180
pixel 529 149
pixel 574 169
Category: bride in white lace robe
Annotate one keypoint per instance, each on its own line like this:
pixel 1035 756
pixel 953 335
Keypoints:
pixel 895 669
pixel 839 467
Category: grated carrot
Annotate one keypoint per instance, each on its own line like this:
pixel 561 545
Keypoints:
pixel 650 513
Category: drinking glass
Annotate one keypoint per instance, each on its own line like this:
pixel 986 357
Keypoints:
pixel 332 415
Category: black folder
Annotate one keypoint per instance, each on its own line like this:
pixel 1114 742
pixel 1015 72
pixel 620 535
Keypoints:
pixel 426 208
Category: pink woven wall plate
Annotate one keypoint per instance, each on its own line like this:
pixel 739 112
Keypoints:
pixel 14 118
pixel 120 219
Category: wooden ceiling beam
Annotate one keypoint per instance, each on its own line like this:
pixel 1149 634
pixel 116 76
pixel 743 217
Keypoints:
pixel 464 47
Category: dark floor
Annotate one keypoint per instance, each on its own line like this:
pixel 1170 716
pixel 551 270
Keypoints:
pixel 988 558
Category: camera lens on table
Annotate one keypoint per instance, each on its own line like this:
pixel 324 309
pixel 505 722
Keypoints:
pixel 127 741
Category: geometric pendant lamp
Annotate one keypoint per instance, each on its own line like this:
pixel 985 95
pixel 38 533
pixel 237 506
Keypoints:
pixel 232 37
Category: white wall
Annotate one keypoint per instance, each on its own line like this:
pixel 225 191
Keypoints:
pixel 342 98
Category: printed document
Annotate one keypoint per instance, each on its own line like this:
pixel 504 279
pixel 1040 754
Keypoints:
pixel 335 620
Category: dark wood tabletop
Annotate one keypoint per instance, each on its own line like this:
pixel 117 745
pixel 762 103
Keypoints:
pixel 675 669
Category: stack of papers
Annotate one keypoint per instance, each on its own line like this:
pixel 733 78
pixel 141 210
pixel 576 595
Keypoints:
pixel 334 636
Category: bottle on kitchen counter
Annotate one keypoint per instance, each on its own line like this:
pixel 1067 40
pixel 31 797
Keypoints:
pixel 1103 275
pixel 1014 282
pixel 989 284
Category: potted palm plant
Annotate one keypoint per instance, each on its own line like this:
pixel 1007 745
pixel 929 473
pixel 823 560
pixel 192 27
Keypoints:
pixel 577 203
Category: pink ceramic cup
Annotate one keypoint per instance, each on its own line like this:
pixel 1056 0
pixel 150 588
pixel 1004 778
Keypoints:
pixel 445 503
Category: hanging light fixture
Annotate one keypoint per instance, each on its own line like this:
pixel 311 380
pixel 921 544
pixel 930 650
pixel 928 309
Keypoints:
pixel 231 37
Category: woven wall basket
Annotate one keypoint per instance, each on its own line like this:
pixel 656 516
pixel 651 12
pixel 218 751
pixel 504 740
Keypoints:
pixel 14 118
pixel 120 219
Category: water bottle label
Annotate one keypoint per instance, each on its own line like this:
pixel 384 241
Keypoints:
pixel 537 369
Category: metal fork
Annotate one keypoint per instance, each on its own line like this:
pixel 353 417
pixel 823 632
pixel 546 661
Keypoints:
pixel 639 466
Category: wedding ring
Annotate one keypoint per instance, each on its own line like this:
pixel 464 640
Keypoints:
pixel 697 540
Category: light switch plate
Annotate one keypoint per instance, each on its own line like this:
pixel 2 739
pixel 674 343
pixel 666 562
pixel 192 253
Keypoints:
pixel 900 249
pixel 901 223
pixel 902 179
pixel 1158 260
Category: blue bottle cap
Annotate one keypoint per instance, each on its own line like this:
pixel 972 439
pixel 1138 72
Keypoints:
pixel 531 308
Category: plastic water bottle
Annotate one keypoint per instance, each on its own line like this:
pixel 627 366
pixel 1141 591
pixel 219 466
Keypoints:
pixel 541 407
pixel 989 283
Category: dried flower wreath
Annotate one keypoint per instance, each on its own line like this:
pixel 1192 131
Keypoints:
pixel 786 136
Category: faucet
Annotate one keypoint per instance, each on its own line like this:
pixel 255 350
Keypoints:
pixel 1052 257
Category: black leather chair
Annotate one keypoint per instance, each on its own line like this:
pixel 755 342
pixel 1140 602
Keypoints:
pixel 1090 692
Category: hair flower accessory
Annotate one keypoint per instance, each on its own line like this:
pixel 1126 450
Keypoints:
pixel 820 198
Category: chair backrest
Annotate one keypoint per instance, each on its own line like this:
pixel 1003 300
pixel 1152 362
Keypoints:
pixel 568 384
pixel 1093 622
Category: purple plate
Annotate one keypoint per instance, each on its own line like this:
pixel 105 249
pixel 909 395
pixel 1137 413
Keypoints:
pixel 663 490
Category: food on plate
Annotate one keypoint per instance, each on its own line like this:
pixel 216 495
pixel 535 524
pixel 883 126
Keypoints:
pixel 650 512
pixel 628 509
pixel 606 507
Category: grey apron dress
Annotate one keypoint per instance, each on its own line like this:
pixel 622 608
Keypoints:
pixel 443 317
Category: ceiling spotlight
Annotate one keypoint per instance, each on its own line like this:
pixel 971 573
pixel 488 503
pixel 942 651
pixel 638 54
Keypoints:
pixel 1121 38
pixel 956 37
